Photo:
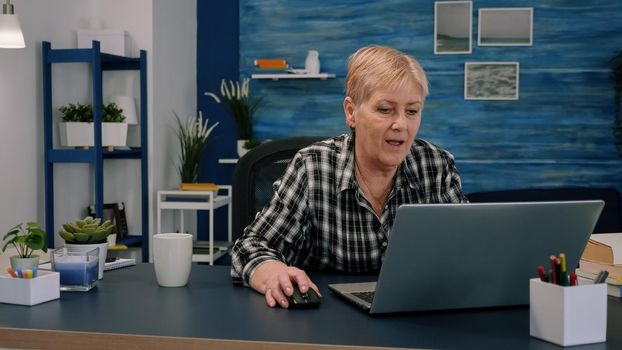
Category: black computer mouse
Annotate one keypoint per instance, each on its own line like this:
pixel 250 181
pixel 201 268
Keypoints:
pixel 299 300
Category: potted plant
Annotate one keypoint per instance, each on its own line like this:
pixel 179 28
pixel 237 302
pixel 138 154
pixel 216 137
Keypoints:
pixel 616 78
pixel 114 128
pixel 76 128
pixel 87 234
pixel 26 239
pixel 193 138
pixel 243 109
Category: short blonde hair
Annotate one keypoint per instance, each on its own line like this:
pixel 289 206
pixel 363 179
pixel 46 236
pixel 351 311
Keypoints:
pixel 380 67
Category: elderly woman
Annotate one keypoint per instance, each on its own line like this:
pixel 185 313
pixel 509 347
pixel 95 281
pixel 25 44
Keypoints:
pixel 334 206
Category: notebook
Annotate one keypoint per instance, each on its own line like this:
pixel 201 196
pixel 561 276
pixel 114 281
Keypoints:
pixel 455 256
pixel 118 263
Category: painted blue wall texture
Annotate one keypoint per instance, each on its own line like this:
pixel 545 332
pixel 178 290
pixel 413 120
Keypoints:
pixel 557 134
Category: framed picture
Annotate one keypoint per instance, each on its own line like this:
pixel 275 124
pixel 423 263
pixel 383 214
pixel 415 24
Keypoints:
pixel 452 27
pixel 491 80
pixel 115 212
pixel 505 27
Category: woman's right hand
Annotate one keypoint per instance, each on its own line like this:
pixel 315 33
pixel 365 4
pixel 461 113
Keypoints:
pixel 275 281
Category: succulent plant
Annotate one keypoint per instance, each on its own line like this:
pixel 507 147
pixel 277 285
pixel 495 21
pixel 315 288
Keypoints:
pixel 86 231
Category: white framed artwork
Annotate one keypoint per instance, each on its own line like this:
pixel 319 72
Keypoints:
pixel 505 26
pixel 491 80
pixel 452 27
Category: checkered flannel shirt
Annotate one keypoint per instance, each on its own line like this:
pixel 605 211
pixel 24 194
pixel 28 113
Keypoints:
pixel 319 219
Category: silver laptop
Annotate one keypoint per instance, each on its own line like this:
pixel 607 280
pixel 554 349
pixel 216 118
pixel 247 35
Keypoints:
pixel 455 256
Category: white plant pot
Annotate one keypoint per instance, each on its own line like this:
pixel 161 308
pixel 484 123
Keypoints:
pixel 83 248
pixel 19 263
pixel 241 150
pixel 73 134
pixel 114 134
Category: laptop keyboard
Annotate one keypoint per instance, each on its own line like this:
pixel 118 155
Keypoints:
pixel 367 296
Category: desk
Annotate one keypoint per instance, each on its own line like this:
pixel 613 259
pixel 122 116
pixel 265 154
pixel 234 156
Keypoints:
pixel 128 310
pixel 198 200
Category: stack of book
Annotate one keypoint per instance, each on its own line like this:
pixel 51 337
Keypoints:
pixel 603 252
pixel 198 186
pixel 271 66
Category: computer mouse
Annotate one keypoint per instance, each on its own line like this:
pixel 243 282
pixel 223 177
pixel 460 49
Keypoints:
pixel 299 300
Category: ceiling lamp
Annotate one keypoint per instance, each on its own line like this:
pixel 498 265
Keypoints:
pixel 11 36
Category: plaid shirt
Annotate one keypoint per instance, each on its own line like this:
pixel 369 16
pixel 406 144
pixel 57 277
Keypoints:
pixel 319 219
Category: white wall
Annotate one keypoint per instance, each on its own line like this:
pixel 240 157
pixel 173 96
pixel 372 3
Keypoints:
pixel 171 84
pixel 175 86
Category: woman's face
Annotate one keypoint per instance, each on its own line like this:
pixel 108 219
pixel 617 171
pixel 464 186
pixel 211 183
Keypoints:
pixel 386 125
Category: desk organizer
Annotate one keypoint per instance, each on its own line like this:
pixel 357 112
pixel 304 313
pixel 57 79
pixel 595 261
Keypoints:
pixel 33 291
pixel 566 316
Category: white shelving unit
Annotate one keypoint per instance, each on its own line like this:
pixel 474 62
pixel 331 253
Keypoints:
pixel 322 76
pixel 198 200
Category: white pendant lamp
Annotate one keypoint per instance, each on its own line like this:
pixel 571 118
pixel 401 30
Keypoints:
pixel 11 36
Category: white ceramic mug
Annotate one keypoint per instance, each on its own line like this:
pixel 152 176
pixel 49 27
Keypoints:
pixel 172 258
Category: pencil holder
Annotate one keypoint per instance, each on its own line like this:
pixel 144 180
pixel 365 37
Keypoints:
pixel 571 315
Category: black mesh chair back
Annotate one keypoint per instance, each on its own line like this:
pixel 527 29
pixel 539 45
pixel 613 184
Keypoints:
pixel 255 173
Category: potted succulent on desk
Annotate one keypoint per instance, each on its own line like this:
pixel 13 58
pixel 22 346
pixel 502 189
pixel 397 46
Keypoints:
pixel 87 234
pixel 26 238
pixel 76 128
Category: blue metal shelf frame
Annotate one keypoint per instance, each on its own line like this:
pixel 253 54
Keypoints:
pixel 99 62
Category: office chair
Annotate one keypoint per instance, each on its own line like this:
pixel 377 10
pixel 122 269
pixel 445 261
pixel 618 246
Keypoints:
pixel 255 173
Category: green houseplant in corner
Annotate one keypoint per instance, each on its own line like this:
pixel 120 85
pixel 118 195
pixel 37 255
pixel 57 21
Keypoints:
pixel 26 239
pixel 87 234
pixel 616 78
pixel 193 139
pixel 243 109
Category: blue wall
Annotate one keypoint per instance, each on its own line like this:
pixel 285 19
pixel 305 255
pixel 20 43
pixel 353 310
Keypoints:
pixel 557 134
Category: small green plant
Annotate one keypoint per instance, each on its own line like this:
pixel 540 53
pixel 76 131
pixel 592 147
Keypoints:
pixel 242 107
pixel 112 113
pixel 86 231
pixel 78 112
pixel 26 238
pixel 251 143
pixel 193 138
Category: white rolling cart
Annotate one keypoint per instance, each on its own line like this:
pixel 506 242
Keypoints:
pixel 198 200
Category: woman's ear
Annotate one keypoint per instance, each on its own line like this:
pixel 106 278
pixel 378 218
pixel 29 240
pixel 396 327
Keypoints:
pixel 349 110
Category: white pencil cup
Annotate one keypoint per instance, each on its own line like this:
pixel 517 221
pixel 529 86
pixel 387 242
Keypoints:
pixel 571 315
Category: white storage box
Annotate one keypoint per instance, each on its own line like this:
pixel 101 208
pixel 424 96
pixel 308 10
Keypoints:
pixel 566 316
pixel 44 287
pixel 116 42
